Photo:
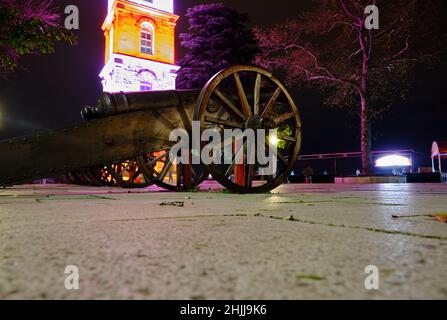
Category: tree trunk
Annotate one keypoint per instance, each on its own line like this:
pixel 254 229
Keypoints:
pixel 365 137
pixel 365 134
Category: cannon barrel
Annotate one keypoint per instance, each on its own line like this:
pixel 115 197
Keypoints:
pixel 110 104
pixel 118 103
pixel 137 123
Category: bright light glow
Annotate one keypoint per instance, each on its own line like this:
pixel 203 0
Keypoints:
pixel 130 73
pixel 393 161
pixel 274 139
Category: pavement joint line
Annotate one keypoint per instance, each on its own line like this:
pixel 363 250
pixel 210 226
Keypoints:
pixel 338 201
pixel 236 215
pixel 411 216
pixel 94 196
pixel 56 197
pixel 293 219
pixel 392 232
pixel 377 203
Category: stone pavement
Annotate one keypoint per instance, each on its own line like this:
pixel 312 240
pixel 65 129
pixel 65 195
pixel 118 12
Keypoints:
pixel 298 242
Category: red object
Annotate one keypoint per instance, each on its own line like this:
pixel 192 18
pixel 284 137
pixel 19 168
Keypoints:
pixel 239 174
pixel 239 169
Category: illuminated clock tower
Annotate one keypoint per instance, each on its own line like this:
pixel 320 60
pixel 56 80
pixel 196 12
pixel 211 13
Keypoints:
pixel 140 46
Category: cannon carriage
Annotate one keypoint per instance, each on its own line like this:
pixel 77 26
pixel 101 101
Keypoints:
pixel 124 140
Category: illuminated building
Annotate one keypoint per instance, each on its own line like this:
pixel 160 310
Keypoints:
pixel 140 46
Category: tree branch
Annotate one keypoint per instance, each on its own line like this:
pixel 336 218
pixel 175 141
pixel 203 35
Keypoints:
pixel 355 18
pixel 402 51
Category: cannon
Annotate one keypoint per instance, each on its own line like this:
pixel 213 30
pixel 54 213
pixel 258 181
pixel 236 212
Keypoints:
pixel 124 139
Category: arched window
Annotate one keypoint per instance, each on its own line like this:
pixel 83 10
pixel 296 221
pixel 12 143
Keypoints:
pixel 147 79
pixel 147 38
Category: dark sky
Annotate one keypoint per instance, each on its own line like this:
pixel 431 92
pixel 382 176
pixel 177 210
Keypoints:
pixel 50 90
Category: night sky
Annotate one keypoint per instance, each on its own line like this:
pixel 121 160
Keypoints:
pixel 50 90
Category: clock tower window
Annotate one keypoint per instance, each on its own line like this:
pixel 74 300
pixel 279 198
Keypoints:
pixel 147 38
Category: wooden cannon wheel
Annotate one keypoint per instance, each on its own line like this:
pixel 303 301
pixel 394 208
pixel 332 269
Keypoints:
pixel 243 97
pixel 126 174
pixel 104 177
pixel 158 168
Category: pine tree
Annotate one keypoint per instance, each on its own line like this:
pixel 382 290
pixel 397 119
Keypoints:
pixel 218 37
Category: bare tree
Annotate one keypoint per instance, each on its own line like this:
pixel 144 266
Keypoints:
pixel 335 47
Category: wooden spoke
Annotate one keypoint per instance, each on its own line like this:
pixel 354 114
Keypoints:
pixel 227 123
pixel 272 101
pixel 148 160
pixel 242 96
pixel 278 154
pixel 185 118
pixel 229 104
pixel 257 94
pixel 154 160
pixel 165 170
pixel 229 170
pixel 284 117
pixel 235 156
pixel 226 142
pixel 282 158
pixel 155 173
pixel 286 138
pixel 134 176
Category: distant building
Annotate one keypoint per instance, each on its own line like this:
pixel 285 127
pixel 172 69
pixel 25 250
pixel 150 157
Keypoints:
pixel 140 46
